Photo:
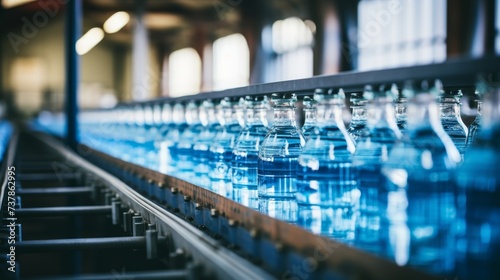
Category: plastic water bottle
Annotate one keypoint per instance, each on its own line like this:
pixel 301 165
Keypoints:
pixel 277 163
pixel 309 115
pixel 167 124
pixel 246 151
pixel 400 108
pixel 151 126
pixel 449 107
pixel 169 144
pixel 139 132
pixel 420 198
pixel 372 150
pixel 479 180
pixel 187 139
pixel 325 176
pixel 358 120
pixel 475 126
pixel 221 150
pixel 211 127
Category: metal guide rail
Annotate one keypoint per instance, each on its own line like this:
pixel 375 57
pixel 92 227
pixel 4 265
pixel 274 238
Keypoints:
pixel 64 218
pixel 283 250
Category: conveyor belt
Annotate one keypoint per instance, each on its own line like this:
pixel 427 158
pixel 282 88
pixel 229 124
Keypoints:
pixel 77 220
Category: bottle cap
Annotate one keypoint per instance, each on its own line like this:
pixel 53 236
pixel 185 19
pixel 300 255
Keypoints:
pixel 256 101
pixel 309 103
pixel 284 99
pixel 331 97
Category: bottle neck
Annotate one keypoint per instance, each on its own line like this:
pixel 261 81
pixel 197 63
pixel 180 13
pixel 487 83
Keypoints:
pixel 479 108
pixel 310 116
pixel 192 116
pixel 228 117
pixel 400 111
pixel 330 114
pixel 424 112
pixel 358 114
pixel 449 110
pixel 381 114
pixel 256 116
pixel 284 116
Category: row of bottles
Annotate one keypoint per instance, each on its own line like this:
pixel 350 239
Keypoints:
pixel 387 184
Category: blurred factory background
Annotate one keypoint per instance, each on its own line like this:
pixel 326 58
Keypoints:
pixel 139 50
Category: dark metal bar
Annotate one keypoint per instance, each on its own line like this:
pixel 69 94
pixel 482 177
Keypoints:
pixel 454 73
pixel 73 31
pixel 150 275
pixel 62 211
pixel 128 242
pixel 54 191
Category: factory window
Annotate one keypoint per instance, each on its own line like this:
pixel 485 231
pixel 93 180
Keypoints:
pixel 231 62
pixel 400 33
pixel 184 72
pixel 292 42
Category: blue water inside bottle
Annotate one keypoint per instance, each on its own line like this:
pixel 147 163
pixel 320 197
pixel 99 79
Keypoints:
pixel 479 181
pixel 277 163
pixel 421 203
pixel 220 157
pixel 201 154
pixel 246 152
pixel 371 184
pixel 201 147
pixel 221 149
pixel 326 182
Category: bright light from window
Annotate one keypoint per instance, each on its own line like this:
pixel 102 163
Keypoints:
pixel 393 34
pixel 292 41
pixel 13 3
pixel 116 22
pixel 184 72
pixel 89 40
pixel 292 33
pixel 231 62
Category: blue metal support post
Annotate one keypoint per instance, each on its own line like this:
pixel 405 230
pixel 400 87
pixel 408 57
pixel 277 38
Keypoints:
pixel 73 31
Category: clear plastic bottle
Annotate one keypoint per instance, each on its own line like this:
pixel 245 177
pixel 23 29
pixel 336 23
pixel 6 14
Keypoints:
pixel 187 139
pixel 246 152
pixel 420 198
pixel 151 128
pixel 479 179
pixel 475 126
pixel 211 127
pixel 325 177
pixel 221 150
pixel 169 144
pixel 449 107
pixel 277 164
pixel 372 151
pixel 309 114
pixel 400 108
pixel 139 132
pixel 358 115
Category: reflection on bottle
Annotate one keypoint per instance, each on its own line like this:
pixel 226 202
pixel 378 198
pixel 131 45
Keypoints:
pixel 479 181
pixel 420 192
pixel 277 163
pixel 246 150
pixel 372 151
pixel 326 184
pixel 221 150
